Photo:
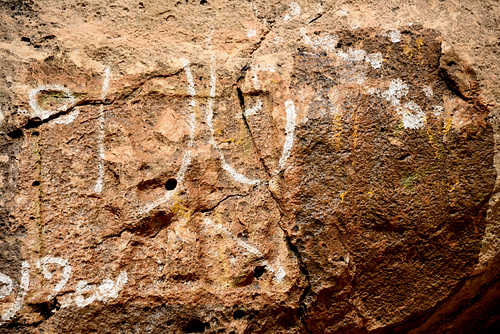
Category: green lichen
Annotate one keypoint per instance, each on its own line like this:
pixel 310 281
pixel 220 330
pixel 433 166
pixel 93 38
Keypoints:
pixel 51 98
pixel 408 180
pixel 398 128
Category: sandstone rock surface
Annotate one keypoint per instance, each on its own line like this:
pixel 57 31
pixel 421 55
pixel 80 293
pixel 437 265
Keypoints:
pixel 249 167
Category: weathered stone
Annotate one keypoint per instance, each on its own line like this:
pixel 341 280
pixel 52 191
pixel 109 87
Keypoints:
pixel 271 167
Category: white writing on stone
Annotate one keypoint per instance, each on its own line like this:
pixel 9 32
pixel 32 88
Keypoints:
pixel 394 35
pixel 327 42
pixel 412 115
pixel 209 118
pixel 291 117
pixel 278 274
pixel 104 91
pixel 6 289
pixel 428 91
pixel 397 89
pixel 294 12
pixel 255 109
pixel 106 291
pixel 43 265
pixel 18 303
pixel 375 59
pixel 42 113
pixel 186 160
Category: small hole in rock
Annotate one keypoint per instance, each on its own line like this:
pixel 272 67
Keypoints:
pixel 238 314
pixel 171 184
pixel 15 134
pixel 259 271
pixel 35 183
pixel 342 259
pixel 195 326
pixel 203 2
pixel 25 39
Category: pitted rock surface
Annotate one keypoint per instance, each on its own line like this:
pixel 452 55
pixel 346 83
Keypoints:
pixel 249 167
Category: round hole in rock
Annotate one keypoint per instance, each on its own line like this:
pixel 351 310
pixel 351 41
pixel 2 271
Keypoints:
pixel 238 314
pixel 171 184
pixel 259 271
pixel 35 183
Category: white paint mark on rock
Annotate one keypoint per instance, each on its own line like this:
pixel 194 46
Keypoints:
pixel 251 33
pixel 6 289
pixel 69 118
pixel 210 114
pixel 105 86
pixel 291 117
pixel 280 274
pixel 412 115
pixel 352 55
pixel 394 35
pixel 397 89
pixel 186 160
pixel 428 91
pixel 18 304
pixel 42 113
pixel 108 290
pixel 255 109
pixel 43 265
pixel 294 12
pixel 105 83
pixel 375 59
pixel 327 42
pixel 437 110
pixel 190 80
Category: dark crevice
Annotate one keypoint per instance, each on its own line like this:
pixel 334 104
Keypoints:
pixel 241 99
pixel 303 270
pixel 36 122
pixel 220 202
pixel 46 310
pixel 317 17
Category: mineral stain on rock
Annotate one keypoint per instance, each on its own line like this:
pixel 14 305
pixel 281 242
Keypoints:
pixel 224 167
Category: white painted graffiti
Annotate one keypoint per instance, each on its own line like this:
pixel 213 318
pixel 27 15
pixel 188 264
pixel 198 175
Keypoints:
pixel 106 291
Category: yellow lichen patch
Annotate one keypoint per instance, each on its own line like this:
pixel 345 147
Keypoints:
pixel 447 124
pixel 398 128
pixel 389 49
pixel 419 43
pixel 454 186
pixel 342 196
pixel 337 130
pixel 179 209
pixel 434 143
pixel 408 51
pixel 371 193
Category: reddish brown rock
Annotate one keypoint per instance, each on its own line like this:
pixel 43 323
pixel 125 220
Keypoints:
pixel 232 167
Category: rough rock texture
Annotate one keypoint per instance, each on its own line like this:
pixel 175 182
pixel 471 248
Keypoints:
pixel 249 167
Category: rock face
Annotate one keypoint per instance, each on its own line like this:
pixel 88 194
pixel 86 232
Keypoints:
pixel 249 167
